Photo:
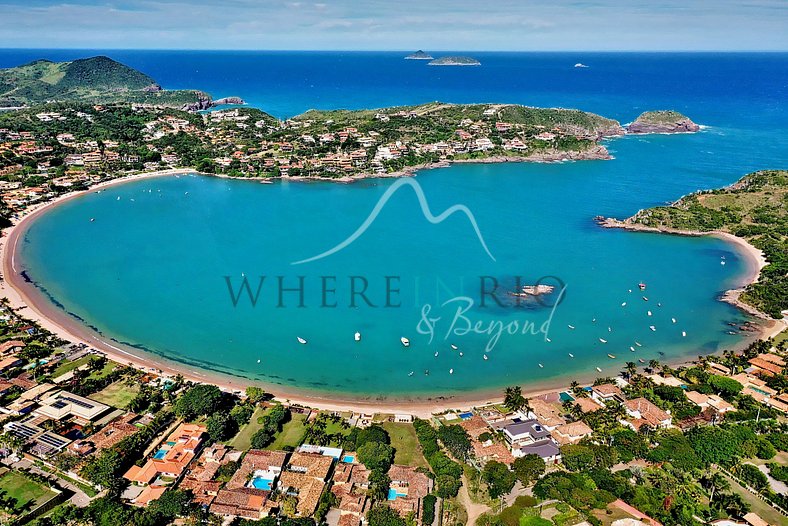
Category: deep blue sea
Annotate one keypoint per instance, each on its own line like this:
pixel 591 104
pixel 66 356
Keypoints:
pixel 150 271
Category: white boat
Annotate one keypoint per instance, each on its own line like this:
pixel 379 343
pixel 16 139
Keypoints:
pixel 301 340
pixel 673 320
pixel 599 370
pixel 602 340
pixel 624 304
pixel 638 344
pixel 652 328
pixel 631 348
pixel 541 366
pixel 548 340
pixel 571 327
pixel 641 360
pixel 645 298
pixel 405 341
pixel 410 373
pixel 611 356
pixel 453 346
pixel 357 336
pixel 571 355
pixel 451 371
pixel 722 262
pixel 648 312
pixel 92 219
pixel 461 355
pixel 580 65
pixel 485 356
pixel 436 354
pixel 684 334
pixel 258 361
pixel 610 329
pixel 118 199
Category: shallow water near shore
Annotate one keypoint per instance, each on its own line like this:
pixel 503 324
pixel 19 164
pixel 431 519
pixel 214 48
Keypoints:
pixel 151 271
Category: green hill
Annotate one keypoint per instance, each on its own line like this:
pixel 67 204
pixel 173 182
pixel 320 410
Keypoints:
pixel 95 79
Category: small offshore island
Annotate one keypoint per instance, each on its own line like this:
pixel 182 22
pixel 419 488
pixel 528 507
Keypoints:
pixel 455 61
pixel 419 55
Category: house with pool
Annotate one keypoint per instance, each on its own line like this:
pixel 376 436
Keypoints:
pixel 167 463
pixel 408 486
pixel 305 477
pixel 248 493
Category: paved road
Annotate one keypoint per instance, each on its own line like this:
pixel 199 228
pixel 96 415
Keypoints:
pixel 79 498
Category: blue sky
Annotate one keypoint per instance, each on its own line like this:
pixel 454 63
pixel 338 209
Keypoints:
pixel 402 24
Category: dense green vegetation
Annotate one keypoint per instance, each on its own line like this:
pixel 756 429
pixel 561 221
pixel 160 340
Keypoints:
pixel 755 209
pixel 98 79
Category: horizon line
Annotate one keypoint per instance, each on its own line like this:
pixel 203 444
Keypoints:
pixel 347 50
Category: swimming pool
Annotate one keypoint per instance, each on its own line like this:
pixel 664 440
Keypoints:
pixel 262 483
pixel 348 459
pixel 160 454
pixel 566 397
pixel 466 416
pixel 393 494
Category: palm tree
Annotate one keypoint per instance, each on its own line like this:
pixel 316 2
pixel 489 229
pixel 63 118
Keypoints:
pixel 653 365
pixel 630 368
pixel 714 482
pixel 513 398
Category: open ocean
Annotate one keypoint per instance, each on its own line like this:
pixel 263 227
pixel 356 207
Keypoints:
pixel 151 272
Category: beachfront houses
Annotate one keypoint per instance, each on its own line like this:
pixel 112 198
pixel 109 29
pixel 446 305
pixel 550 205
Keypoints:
pixel 642 412
pixel 407 489
pixel 305 477
pixel 167 464
pixel 526 437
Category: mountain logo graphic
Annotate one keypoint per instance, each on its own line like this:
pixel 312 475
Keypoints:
pixel 425 209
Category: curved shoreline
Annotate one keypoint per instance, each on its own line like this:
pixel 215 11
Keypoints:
pixel 23 296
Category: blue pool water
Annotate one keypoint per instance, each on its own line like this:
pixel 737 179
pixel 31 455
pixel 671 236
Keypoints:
pixel 393 494
pixel 160 454
pixel 262 483
pixel 159 282
pixel 348 459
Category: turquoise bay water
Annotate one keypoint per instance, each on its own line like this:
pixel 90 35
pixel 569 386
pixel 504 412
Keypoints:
pixel 151 270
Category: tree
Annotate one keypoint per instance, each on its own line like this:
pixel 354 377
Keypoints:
pixel 577 457
pixel 172 503
pixel 261 438
pixel 382 515
pixel 289 505
pixel 513 398
pixel 376 455
pixel 529 468
pixel 379 483
pixel 456 440
pixel 202 399
pixel 724 385
pixel 255 394
pixel 499 479
pixel 221 426
pixel 97 363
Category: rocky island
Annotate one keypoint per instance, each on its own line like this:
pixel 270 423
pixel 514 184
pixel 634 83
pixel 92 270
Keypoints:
pixel 419 55
pixel 662 122
pixel 455 61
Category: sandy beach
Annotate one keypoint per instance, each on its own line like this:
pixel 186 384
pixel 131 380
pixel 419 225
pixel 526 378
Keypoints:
pixel 31 304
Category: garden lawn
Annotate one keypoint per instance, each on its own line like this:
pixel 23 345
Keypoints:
pixel 405 444
pixel 117 394
pixel 292 433
pixel 26 492
pixel 65 367
pixel 243 440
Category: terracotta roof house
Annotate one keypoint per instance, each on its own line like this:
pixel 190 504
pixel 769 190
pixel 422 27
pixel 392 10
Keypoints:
pixel 587 405
pixel 408 487
pixel 766 367
pixel 709 401
pixel 312 464
pixel 11 346
pixel 571 433
pixel 546 413
pixel 489 449
pixel 173 456
pixel 607 392
pixel 248 503
pixel 266 464
pixel 644 412
pixel 306 488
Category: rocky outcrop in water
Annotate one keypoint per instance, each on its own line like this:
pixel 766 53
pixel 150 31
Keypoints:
pixel 662 122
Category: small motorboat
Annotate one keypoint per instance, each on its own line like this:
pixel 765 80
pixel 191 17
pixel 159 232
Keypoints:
pixel 610 329
pixel 485 357
pixel 405 341
pixel 461 355
pixel 631 348
pixel 258 361
pixel 301 340
pixel 541 366
pixel 684 334
pixel 357 336
pixel 451 371
pixel 548 340
pixel 571 327
pixel 599 370
pixel 426 372
pixel 641 360
pixel 92 219
pixel 673 320
pixel 648 312
pixel 652 328
pixel 645 298
pixel 624 304
pixel 722 262
pixel 602 340
pixel 571 355
pixel 453 346
pixel 638 344
pixel 436 354
pixel 642 286
pixel 611 356
pixel 410 373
